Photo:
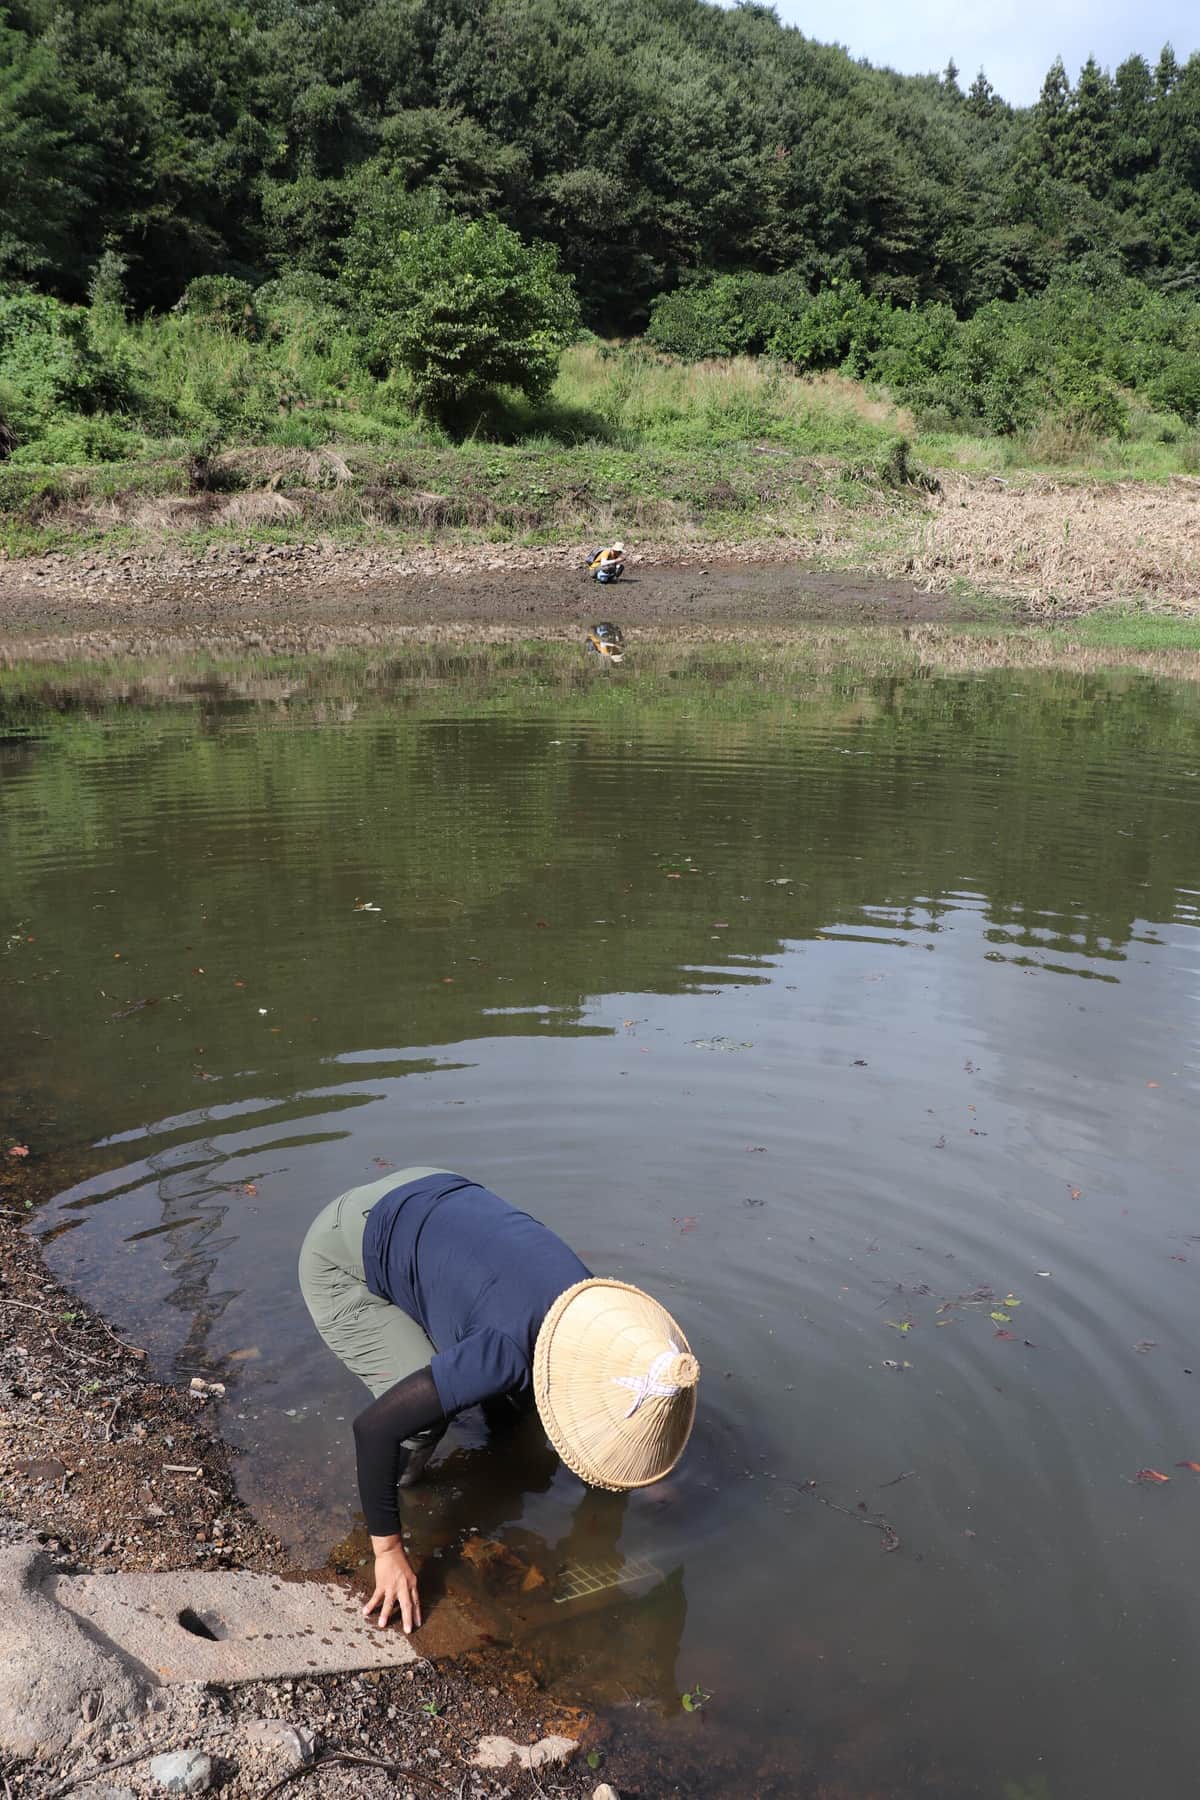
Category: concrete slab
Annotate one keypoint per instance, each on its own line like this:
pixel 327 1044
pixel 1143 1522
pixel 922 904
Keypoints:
pixel 58 1685
pixel 226 1627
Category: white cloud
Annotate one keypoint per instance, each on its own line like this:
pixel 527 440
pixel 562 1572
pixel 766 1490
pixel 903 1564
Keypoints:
pixel 1015 41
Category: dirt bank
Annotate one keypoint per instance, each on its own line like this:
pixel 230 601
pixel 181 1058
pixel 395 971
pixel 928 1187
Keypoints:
pixel 1038 546
pixel 310 598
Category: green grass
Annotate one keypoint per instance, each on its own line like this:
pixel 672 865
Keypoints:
pixel 1125 628
pixel 288 437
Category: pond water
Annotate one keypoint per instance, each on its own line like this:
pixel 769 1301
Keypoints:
pixel 858 1019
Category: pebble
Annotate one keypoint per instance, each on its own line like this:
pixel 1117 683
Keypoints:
pixel 498 1752
pixel 296 1742
pixel 182 1772
pixel 605 1792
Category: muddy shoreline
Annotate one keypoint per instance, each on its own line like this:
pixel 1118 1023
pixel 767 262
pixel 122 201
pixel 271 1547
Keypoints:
pixel 106 1469
pixel 299 599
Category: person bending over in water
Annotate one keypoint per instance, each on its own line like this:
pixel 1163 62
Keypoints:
pixel 441 1296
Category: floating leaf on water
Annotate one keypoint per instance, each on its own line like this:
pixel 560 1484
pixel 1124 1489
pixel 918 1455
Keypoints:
pixel 1193 1466
pixel 1151 1475
pixel 904 1325
pixel 1001 1318
pixel 1009 1337
pixel 720 1043
pixel 1011 1300
pixel 1145 1345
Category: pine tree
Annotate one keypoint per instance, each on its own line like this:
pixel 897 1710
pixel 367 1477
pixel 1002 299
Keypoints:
pixel 981 97
pixel 1090 139
pixel 1052 119
pixel 1167 72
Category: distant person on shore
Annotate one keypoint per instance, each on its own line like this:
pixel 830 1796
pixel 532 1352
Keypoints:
pixel 607 563
pixel 440 1296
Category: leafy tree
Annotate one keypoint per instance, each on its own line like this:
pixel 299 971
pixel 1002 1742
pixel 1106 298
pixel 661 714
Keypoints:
pixel 459 305
pixel 45 172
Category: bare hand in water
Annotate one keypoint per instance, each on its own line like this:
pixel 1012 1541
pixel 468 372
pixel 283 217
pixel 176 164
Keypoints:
pixel 395 1588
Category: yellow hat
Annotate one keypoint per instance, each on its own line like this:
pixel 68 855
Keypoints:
pixel 615 1384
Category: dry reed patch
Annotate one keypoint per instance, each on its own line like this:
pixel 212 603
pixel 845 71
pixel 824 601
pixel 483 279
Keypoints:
pixel 175 512
pixel 272 468
pixel 1051 543
pixel 839 394
pixel 256 509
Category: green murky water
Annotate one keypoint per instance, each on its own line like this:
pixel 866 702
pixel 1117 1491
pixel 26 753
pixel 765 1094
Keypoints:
pixel 845 1015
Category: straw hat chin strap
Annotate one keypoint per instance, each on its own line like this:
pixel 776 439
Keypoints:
pixel 653 1382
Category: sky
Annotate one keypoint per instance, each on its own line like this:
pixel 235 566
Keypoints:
pixel 1015 41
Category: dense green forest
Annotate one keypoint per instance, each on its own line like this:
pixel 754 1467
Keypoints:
pixel 443 192
pixel 200 136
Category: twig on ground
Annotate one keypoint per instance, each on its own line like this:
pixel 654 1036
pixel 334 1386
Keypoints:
pixel 155 1748
pixel 339 1756
pixel 891 1537
pixel 133 1349
pixel 108 1423
pixel 102 1769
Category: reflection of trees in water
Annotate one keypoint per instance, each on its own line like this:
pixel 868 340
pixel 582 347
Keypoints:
pixel 1027 800
pixel 194 1244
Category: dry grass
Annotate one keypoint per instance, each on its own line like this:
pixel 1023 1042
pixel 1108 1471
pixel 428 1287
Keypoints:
pixel 272 468
pixel 174 512
pixel 262 508
pixel 1049 543
pixel 840 395
pixel 660 397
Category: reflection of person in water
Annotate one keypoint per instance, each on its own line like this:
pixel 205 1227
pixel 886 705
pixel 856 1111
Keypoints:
pixel 442 1296
pixel 623 1627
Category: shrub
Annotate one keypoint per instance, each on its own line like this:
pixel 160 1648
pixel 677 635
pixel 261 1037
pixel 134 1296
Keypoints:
pixel 49 366
pixel 223 302
pixel 840 328
pixel 726 315
pixel 98 439
pixel 460 305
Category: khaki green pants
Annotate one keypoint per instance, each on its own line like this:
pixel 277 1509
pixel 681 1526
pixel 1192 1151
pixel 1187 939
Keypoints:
pixel 376 1340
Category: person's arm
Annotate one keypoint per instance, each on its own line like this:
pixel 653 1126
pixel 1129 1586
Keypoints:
pixel 412 1405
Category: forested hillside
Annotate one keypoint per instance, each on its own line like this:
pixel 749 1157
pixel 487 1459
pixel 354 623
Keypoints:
pixel 647 142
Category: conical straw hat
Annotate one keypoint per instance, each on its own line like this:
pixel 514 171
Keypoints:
pixel 615 1384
